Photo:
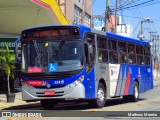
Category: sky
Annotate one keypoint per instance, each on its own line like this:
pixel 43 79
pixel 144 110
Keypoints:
pixel 143 9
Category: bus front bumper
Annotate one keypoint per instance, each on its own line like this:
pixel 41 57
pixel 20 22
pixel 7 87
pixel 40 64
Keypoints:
pixel 31 93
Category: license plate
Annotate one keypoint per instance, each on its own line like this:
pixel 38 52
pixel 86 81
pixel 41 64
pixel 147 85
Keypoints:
pixel 49 93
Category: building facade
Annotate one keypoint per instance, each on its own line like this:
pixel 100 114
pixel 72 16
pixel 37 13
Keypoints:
pixel 77 11
pixel 99 22
pixel 122 29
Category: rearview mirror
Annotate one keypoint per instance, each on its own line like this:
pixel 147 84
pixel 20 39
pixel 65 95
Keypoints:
pixel 17 50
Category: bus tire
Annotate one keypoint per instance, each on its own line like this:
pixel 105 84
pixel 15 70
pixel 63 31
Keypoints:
pixel 100 101
pixel 135 96
pixel 48 104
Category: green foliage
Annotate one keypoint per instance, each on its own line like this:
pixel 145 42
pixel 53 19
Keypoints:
pixel 7 63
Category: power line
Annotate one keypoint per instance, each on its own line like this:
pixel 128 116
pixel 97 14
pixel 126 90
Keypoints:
pixel 136 27
pixel 140 18
pixel 142 4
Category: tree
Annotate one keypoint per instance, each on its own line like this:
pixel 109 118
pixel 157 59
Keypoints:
pixel 7 64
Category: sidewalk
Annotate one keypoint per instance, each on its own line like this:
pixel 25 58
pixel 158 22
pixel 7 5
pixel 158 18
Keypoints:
pixel 18 99
pixel 156 82
pixel 17 102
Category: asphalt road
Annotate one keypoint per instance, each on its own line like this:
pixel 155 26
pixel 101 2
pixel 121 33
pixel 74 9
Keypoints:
pixel 149 103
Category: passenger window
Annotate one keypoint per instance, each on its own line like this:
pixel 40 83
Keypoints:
pixel 147 51
pixel 140 60
pixel 139 50
pixel 122 47
pixel 132 53
pixel 112 44
pixel 102 49
pixel 102 42
pixel 131 48
pixel 103 56
pixel 123 57
pixel 113 57
pixel 132 59
pixel 147 60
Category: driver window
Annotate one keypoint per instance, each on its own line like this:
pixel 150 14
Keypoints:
pixel 90 57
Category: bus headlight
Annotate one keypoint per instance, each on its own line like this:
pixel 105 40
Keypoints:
pixel 77 82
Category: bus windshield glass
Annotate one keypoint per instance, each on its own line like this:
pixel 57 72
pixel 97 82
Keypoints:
pixel 53 56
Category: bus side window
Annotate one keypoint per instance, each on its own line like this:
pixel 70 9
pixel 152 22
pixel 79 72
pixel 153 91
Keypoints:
pixel 102 49
pixel 131 48
pixel 103 56
pixel 123 57
pixel 113 57
pixel 132 53
pixel 140 58
pixel 89 50
pixel 113 54
pixel 122 49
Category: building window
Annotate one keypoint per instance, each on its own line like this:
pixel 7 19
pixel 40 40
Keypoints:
pixel 77 15
pixel 87 20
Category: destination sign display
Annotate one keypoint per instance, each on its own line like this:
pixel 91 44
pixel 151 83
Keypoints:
pixel 40 33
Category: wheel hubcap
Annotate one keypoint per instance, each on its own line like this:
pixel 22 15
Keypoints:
pixel 136 91
pixel 100 95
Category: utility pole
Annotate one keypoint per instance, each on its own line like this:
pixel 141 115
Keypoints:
pixel 141 35
pixel 116 15
pixel 151 32
pixel 158 48
pixel 155 49
pixel 157 52
pixel 83 11
pixel 152 41
pixel 107 13
pixel 156 41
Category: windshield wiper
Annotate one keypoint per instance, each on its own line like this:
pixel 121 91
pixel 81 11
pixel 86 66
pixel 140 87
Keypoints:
pixel 37 59
pixel 59 47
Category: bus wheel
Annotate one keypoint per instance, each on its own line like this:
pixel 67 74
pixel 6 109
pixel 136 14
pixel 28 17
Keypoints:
pixel 135 96
pixel 100 101
pixel 48 104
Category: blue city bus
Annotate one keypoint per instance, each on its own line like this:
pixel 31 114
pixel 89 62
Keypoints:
pixel 74 62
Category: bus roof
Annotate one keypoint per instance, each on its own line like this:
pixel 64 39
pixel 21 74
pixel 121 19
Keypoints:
pixel 84 29
pixel 116 36
pixel 127 39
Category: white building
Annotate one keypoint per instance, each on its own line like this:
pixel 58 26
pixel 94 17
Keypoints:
pixel 124 30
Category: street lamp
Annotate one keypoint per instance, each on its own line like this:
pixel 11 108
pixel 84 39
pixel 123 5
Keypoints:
pixel 141 35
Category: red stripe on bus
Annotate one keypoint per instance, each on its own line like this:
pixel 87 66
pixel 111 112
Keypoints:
pixel 127 83
pixel 34 83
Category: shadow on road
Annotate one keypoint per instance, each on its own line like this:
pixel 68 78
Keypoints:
pixel 68 105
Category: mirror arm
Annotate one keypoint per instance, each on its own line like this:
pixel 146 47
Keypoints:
pixel 16 49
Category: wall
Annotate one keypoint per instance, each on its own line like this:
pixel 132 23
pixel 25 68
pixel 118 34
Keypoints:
pixel 67 7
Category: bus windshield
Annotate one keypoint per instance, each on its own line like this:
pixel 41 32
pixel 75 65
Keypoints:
pixel 53 56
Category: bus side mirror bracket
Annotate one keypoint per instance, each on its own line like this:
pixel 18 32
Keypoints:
pixel 16 49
